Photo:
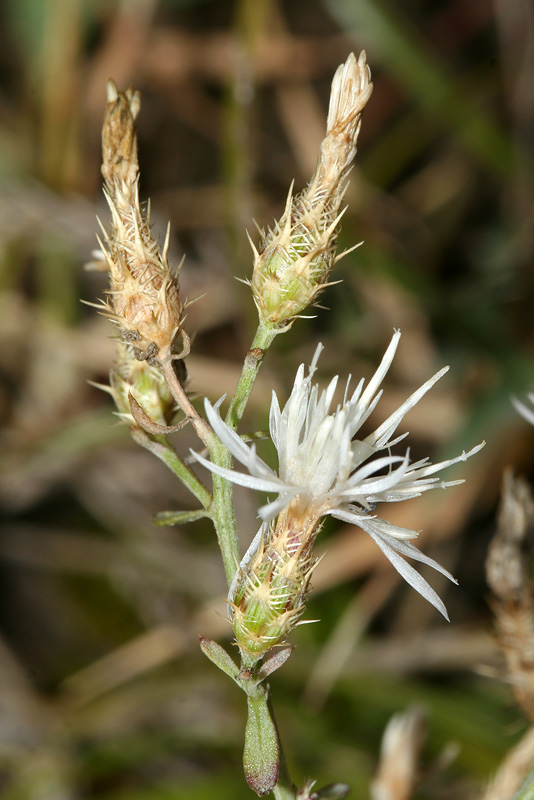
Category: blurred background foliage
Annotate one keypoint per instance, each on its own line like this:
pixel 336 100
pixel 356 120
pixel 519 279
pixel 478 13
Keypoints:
pixel 104 692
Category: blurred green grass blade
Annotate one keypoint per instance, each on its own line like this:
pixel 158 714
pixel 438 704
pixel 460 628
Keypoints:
pixel 473 716
pixel 26 18
pixel 178 517
pixel 57 280
pixel 200 789
pixel 76 438
pixel 393 42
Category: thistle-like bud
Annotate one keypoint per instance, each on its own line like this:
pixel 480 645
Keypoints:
pixel 295 258
pixel 268 595
pixel 144 299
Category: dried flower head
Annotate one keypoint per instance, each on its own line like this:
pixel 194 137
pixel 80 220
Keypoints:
pixel 294 260
pixel 325 469
pixel 144 300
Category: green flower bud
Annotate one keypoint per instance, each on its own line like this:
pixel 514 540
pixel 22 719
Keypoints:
pixel 268 596
pixel 295 258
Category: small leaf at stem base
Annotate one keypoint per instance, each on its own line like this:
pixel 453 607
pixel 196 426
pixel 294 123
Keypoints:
pixel 274 663
pixel 178 517
pixel 220 658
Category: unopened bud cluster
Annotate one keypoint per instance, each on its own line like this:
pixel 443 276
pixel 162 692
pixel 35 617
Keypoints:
pixel 295 258
pixel 144 299
pixel 269 592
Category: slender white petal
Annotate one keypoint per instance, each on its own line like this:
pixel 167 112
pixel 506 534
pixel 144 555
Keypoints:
pixel 387 537
pixel 228 437
pixel 274 420
pixel 354 516
pixel 271 510
pixel 409 574
pixel 382 370
pixel 359 483
pixel 525 411
pixel 410 551
pixel 394 536
pixel 242 478
pixel 384 433
pixel 430 469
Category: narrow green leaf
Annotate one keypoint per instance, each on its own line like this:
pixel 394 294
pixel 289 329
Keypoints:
pixel 178 517
pixel 274 663
pixel 220 658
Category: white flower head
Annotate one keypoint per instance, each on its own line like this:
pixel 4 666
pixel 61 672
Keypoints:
pixel 326 469
pixel 525 411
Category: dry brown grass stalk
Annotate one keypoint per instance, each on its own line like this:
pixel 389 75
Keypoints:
pixel 510 577
pixel 513 769
pixel 401 746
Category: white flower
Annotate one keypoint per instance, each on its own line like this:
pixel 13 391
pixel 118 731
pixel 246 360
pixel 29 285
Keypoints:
pixel 325 469
pixel 525 411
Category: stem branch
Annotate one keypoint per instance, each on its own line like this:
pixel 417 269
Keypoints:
pixel 263 339
pixel 200 425
pixel 162 449
pixel 224 517
pixel 222 506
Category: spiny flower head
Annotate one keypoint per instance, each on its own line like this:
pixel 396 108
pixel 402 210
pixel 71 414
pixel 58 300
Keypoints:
pixel 295 258
pixel 325 468
pixel 144 300
pixel 268 594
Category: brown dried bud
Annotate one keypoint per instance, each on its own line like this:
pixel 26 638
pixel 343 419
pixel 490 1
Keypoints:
pixel 144 300
pixel 119 136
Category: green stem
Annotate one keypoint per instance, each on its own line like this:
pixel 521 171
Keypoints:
pixel 160 447
pixel 202 429
pixel 284 789
pixel 263 339
pixel 223 504
pixel 223 515
pixel 283 792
